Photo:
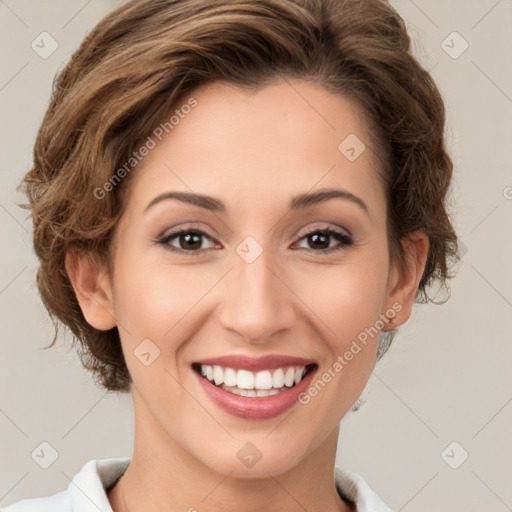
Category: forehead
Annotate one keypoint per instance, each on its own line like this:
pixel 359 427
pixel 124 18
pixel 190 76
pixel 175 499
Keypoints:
pixel 282 139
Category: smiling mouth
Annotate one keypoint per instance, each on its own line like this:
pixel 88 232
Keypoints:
pixel 262 383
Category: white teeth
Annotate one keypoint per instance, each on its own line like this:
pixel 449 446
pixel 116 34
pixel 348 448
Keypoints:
pixel 253 384
pixel 245 379
pixel 230 377
pixel 252 392
pixel 263 380
pixel 278 379
pixel 289 377
pixel 218 375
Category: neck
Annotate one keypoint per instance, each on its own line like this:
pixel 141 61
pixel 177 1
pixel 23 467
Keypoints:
pixel 163 476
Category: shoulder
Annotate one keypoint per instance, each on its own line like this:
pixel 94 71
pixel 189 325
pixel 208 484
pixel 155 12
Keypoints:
pixel 86 491
pixel 59 502
pixel 354 488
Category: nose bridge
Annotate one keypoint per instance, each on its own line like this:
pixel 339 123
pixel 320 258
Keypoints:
pixel 256 302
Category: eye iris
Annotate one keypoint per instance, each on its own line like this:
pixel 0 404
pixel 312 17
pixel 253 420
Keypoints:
pixel 323 238
pixel 192 241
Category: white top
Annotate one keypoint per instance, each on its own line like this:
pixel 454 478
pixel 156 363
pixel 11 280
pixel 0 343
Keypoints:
pixel 87 491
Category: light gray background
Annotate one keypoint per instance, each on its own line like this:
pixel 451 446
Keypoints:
pixel 446 378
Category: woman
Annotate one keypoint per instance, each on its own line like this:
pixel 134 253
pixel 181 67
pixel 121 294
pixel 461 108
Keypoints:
pixel 235 204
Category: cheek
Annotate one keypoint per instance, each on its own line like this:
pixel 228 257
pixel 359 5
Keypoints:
pixel 346 297
pixel 346 300
pixel 154 299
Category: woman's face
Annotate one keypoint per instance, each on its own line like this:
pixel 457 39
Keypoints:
pixel 254 274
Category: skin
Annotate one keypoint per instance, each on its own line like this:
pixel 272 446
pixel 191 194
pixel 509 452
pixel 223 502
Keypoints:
pixel 253 151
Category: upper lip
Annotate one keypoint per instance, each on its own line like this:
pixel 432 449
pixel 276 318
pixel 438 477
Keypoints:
pixel 240 362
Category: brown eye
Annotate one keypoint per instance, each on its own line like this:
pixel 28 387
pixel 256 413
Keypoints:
pixel 320 240
pixel 186 240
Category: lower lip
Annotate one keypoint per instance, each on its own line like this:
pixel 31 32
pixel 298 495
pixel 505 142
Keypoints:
pixel 255 408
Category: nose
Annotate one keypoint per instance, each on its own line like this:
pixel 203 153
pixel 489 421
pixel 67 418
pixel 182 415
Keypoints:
pixel 256 300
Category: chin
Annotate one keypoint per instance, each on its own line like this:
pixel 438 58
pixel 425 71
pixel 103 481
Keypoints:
pixel 255 459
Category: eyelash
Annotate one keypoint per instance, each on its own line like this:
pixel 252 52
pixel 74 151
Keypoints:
pixel 346 240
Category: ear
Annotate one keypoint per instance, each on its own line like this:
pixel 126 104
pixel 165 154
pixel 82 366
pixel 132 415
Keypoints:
pixel 92 288
pixel 404 279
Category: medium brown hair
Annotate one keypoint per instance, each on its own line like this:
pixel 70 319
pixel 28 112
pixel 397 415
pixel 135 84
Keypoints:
pixel 139 61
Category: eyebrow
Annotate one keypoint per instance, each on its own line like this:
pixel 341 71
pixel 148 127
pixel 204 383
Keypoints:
pixel 297 203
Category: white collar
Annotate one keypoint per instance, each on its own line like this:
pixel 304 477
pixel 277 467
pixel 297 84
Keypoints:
pixel 87 491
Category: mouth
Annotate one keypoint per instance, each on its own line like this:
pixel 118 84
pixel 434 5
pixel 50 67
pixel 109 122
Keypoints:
pixel 254 388
pixel 266 382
